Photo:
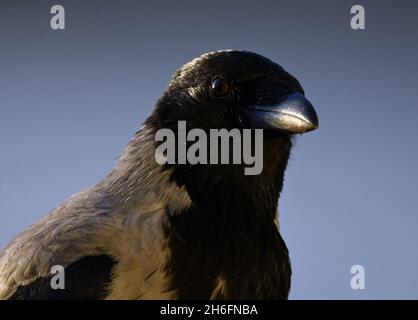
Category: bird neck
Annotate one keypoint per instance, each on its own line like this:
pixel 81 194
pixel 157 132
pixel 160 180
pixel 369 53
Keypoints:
pixel 220 191
pixel 224 197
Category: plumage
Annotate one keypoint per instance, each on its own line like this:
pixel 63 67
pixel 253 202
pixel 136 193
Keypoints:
pixel 150 231
pixel 88 278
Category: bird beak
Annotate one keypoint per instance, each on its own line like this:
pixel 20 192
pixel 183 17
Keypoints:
pixel 294 114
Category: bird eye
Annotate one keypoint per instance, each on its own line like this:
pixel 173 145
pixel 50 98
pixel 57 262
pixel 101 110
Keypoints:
pixel 219 87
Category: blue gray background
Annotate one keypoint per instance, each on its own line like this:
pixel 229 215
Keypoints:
pixel 70 100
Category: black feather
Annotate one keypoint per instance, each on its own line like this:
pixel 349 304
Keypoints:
pixel 87 278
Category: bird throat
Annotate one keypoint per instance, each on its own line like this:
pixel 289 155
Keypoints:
pixel 227 239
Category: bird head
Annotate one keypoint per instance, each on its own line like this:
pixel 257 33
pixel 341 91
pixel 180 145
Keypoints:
pixel 236 89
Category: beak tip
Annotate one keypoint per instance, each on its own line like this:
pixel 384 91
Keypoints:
pixel 304 112
pixel 313 123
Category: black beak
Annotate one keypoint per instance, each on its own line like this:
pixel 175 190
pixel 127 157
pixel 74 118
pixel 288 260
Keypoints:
pixel 294 114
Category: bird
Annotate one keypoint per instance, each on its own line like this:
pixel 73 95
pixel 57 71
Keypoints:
pixel 177 231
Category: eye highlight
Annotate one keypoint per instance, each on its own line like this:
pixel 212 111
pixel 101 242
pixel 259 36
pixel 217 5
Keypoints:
pixel 219 87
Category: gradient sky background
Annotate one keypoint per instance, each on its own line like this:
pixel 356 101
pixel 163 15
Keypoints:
pixel 70 101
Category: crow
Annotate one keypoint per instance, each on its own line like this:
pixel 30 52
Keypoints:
pixel 176 231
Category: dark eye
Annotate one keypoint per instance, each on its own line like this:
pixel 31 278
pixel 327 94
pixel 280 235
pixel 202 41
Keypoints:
pixel 219 87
